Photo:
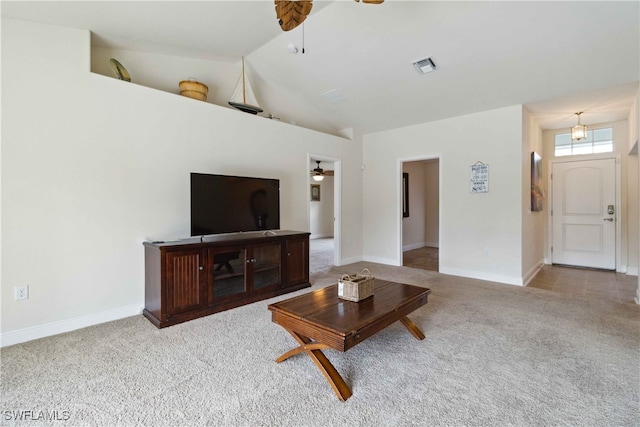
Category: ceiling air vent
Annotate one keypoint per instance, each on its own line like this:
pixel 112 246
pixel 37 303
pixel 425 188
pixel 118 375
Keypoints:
pixel 425 65
pixel 335 96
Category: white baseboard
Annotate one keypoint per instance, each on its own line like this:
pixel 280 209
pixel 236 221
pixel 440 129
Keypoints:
pixel 67 325
pixel 413 246
pixel 347 261
pixel 632 271
pixel 380 260
pixel 419 245
pixel 320 236
pixel 509 280
pixel 532 272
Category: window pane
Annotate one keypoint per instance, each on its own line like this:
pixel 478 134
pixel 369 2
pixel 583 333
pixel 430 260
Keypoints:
pixel 563 144
pixel 605 134
pixel 581 147
pixel 603 147
pixel 563 139
pixel 597 141
pixel 589 137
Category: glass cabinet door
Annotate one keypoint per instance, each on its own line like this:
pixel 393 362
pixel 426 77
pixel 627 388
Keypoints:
pixel 265 263
pixel 229 274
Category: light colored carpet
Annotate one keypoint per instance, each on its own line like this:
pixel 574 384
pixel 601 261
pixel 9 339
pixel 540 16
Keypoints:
pixel 320 254
pixel 493 355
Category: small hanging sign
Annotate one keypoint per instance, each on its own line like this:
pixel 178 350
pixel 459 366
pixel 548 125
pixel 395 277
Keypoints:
pixel 479 178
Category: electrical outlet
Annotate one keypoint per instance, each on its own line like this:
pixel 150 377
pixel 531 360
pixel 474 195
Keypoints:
pixel 21 292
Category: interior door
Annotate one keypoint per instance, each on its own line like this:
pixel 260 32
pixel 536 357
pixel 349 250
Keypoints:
pixel 584 213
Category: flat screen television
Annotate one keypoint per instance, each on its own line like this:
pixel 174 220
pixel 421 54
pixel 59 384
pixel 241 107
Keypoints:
pixel 228 204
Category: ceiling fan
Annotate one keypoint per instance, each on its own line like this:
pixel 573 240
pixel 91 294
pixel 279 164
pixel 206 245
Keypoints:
pixel 318 173
pixel 290 14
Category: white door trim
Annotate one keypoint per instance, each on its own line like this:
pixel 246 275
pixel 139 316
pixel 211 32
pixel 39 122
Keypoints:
pixel 620 267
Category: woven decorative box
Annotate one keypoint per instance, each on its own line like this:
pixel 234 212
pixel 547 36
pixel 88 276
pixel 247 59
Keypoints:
pixel 356 287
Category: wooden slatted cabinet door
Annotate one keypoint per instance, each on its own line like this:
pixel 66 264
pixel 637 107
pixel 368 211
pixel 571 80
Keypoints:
pixel 296 262
pixel 186 281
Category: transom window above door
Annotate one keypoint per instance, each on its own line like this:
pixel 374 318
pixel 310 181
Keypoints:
pixel 597 141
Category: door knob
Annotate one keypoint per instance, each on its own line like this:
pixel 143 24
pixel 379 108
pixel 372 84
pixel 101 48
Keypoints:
pixel 608 219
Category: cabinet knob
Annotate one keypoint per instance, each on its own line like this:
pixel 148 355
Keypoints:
pixel 201 268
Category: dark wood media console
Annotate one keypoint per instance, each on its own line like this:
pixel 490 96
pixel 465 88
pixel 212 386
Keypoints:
pixel 198 276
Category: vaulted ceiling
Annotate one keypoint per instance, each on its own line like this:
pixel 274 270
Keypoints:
pixel 554 57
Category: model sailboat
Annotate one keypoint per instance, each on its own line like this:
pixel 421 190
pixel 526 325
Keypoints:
pixel 243 98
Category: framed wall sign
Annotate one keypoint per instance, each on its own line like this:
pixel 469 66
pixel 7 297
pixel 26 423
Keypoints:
pixel 479 178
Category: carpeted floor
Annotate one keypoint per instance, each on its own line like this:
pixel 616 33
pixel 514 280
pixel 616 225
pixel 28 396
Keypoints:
pixel 493 355
pixel 321 254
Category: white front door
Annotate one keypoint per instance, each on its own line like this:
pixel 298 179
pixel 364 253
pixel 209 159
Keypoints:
pixel 584 213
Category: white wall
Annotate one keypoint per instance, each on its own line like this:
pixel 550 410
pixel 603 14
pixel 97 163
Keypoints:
pixel 432 209
pixel 632 214
pixel 480 233
pixel 414 226
pixel 533 223
pixel 634 117
pixel 164 72
pixel 92 166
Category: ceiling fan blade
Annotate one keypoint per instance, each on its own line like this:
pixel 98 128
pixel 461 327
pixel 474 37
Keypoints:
pixel 324 173
pixel 290 14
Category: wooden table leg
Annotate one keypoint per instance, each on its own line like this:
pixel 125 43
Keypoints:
pixel 415 331
pixel 336 382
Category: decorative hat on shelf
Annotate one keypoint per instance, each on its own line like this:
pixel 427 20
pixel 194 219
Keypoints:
pixel 194 89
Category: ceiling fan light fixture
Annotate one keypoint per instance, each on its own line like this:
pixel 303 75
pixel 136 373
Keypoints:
pixel 424 65
pixel 579 131
pixel 318 172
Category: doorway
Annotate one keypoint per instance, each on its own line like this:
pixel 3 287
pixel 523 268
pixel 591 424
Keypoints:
pixel 420 218
pixel 584 213
pixel 324 212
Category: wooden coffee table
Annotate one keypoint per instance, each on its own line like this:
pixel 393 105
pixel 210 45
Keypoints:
pixel 319 320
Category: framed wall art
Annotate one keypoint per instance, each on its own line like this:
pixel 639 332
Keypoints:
pixel 537 194
pixel 405 195
pixel 315 192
